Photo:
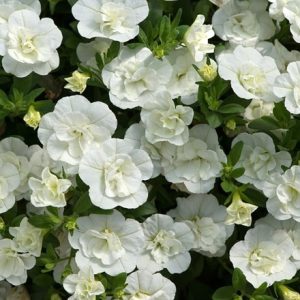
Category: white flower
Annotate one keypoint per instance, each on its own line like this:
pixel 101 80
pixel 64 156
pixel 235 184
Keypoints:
pixel 206 218
pixel 49 191
pixel 287 85
pixel 276 9
pixel 239 212
pixel 14 265
pixel 184 76
pixel 219 2
pixel 284 200
pixel 291 11
pixel 16 152
pixel 257 109
pixel 64 252
pixel 107 243
pixel 83 285
pixel 281 54
pixel 114 172
pixel 143 285
pixel 291 227
pixel 251 74
pixel 259 158
pixel 196 38
pixel 9 181
pixel 136 134
pixel 167 245
pixel 243 22
pixel 29 44
pixel 77 82
pixel 8 7
pixel 264 255
pixel 134 76
pixel 197 163
pixel 40 159
pixel 27 237
pixel 86 52
pixel 73 126
pixel 113 19
pixel 164 121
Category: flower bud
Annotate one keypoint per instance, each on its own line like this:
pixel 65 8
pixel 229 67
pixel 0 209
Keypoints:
pixel 208 72
pixel 231 124
pixel 239 212
pixel 287 294
pixel 32 117
pixel 77 82
pixel 55 297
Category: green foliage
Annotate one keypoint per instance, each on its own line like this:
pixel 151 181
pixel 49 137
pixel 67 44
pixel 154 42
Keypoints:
pixel 163 36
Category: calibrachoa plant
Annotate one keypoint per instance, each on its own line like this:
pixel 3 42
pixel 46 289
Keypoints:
pixel 150 149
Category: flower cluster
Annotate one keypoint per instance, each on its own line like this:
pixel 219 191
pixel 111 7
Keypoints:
pixel 149 147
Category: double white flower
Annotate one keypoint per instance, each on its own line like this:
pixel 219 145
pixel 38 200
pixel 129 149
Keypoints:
pixel 114 172
pixel 196 38
pixel 83 285
pixel 284 194
pixel 28 238
pixel 251 75
pixel 28 44
pixel 49 191
pixel 287 85
pixel 167 245
pixel 264 255
pixel 259 158
pixel 134 76
pixel 243 22
pixel 197 163
pixel 9 181
pixel 114 19
pixel 13 264
pixel 206 218
pixel 166 122
pixel 107 243
pixel 143 285
pixel 73 126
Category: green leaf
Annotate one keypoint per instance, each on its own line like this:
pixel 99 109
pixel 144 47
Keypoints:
pixel 146 209
pixel 261 289
pixel 44 106
pixel 231 108
pixel 83 203
pixel 43 221
pixel 227 186
pixel 239 281
pixel 116 281
pixel 265 123
pixel 224 293
pixel 113 51
pixel 43 280
pixel 164 29
pixel 235 153
pixel 176 19
pixel 4 100
pixel 236 173
pixel 281 113
pixel 143 37
pixel 23 84
pixel 214 119
pixel 263 297
pixel 254 197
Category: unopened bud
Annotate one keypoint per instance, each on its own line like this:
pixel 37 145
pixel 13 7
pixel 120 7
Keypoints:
pixel 77 82
pixel 32 117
